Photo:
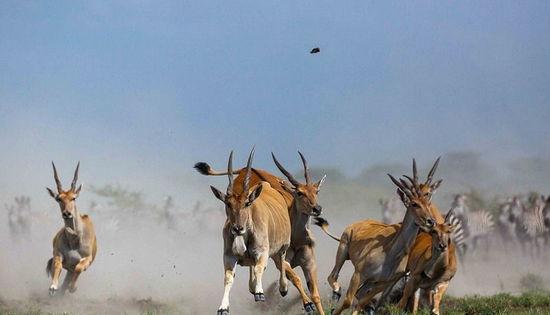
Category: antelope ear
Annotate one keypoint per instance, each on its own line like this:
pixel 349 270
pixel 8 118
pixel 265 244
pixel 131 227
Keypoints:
pixel 320 182
pixel 286 186
pixel 254 194
pixel 54 195
pixel 218 194
pixel 403 198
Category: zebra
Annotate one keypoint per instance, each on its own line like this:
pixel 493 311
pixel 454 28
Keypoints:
pixel 458 235
pixel 476 225
pixel 505 224
pixel 546 216
pixel 19 218
pixel 530 225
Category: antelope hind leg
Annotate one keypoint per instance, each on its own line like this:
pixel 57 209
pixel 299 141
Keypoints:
pixel 67 281
pixel 297 282
pixel 354 284
pixel 310 273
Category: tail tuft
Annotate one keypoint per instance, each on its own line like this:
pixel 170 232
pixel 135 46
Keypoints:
pixel 203 168
pixel 49 267
pixel 319 221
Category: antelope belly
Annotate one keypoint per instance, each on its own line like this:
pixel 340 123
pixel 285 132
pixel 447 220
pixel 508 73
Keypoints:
pixel 71 258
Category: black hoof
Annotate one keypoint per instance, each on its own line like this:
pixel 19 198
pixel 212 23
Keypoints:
pixel 369 310
pixel 223 312
pixel 259 297
pixel 52 291
pixel 336 295
pixel 283 293
pixel 309 308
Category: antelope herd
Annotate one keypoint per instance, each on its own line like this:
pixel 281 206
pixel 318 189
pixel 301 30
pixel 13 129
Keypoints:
pixel 408 259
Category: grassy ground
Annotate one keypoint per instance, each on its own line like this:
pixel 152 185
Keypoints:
pixel 525 304
pixel 528 303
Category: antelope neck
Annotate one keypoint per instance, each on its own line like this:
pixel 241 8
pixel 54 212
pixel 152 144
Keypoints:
pixel 401 243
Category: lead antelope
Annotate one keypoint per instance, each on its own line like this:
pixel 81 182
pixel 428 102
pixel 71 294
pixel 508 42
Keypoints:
pixel 379 251
pixel 432 265
pixel 257 228
pixel 301 202
pixel 75 245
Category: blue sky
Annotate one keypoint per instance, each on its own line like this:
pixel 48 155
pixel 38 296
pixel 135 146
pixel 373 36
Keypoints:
pixel 153 86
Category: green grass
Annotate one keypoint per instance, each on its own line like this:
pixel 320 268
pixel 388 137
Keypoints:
pixel 533 303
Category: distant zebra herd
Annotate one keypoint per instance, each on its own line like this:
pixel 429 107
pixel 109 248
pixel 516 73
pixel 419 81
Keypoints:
pixel 516 222
pixel 19 217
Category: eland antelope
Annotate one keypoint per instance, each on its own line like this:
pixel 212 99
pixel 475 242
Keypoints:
pixel 379 251
pixel 301 201
pixel 257 228
pixel 75 245
pixel 432 264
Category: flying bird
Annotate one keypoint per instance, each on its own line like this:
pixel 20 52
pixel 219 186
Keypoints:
pixel 315 50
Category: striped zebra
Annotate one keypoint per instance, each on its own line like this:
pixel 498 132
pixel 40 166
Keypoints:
pixel 458 236
pixel 505 224
pixel 546 215
pixel 477 225
pixel 531 226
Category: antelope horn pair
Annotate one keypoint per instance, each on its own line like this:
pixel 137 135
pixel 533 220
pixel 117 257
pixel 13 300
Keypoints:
pixel 413 187
pixel 246 182
pixel 291 178
pixel 58 182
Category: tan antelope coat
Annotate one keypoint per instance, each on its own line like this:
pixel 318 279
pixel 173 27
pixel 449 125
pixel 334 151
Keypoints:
pixel 379 251
pixel 300 200
pixel 75 245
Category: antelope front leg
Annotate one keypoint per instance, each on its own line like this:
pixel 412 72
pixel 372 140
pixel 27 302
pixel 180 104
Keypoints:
pixel 229 264
pixel 83 264
pixel 283 281
pixel 258 273
pixel 438 296
pixel 310 273
pixel 57 265
pixel 408 292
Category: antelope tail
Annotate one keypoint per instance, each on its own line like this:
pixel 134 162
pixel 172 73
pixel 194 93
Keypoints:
pixel 49 267
pixel 323 224
pixel 205 169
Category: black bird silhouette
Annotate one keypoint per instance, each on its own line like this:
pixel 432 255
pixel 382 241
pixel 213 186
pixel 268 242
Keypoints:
pixel 315 50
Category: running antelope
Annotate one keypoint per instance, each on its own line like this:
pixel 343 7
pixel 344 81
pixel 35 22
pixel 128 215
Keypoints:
pixel 379 251
pixel 301 201
pixel 432 264
pixel 257 228
pixel 74 246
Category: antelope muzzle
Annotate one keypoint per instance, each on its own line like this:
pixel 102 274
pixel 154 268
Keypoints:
pixel 317 211
pixel 237 229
